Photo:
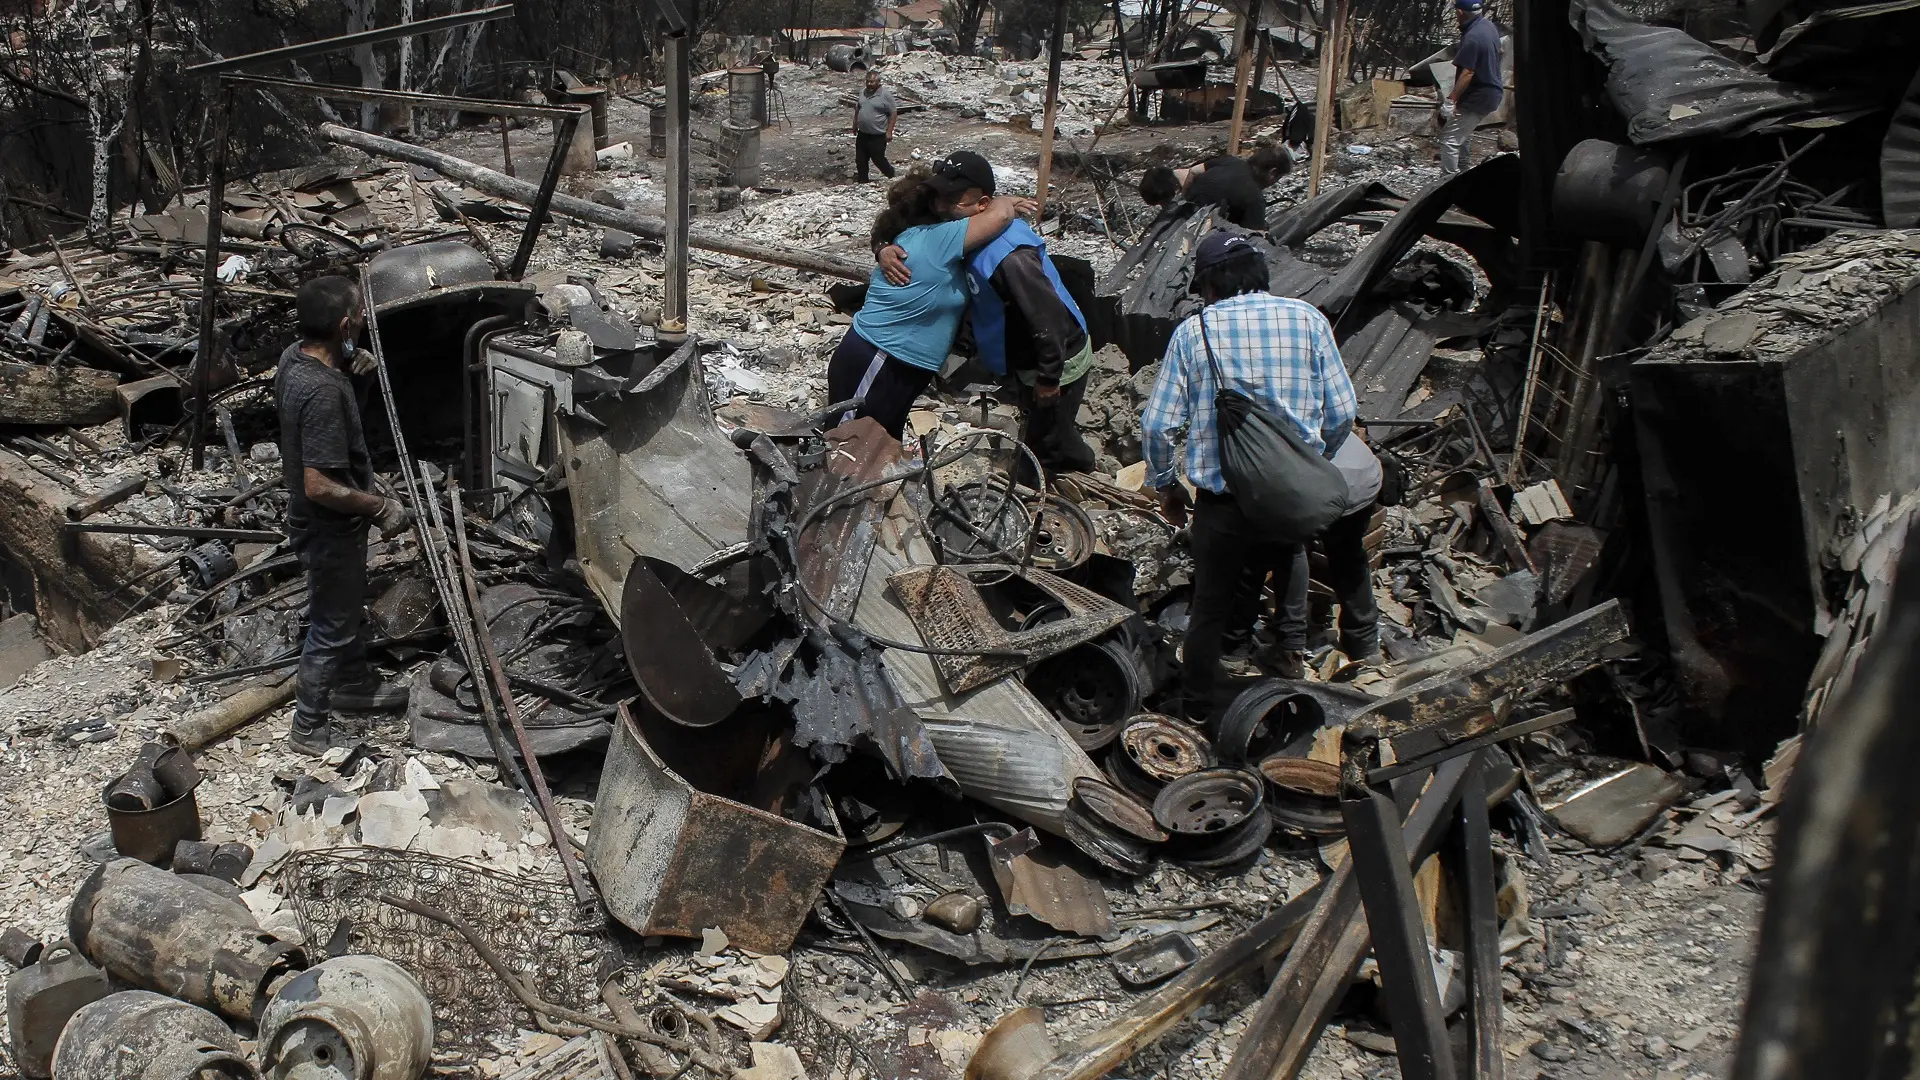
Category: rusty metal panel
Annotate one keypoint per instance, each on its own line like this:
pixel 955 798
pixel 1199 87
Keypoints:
pixel 671 859
pixel 1033 881
pixel 674 667
pixel 659 480
pixel 835 552
pixel 946 607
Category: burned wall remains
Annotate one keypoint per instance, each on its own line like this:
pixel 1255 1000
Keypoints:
pixel 1769 428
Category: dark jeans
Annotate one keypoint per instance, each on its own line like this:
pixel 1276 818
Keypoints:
pixel 1053 431
pixel 1349 575
pixel 890 385
pixel 333 653
pixel 870 148
pixel 1227 548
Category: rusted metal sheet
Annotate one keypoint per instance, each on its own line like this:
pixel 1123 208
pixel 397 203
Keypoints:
pixel 672 859
pixel 1033 881
pixel 947 608
pixel 658 480
pixel 673 666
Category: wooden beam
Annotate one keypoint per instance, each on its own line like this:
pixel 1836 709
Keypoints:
pixel 49 394
pixel 1242 72
pixel 1055 44
pixel 1323 102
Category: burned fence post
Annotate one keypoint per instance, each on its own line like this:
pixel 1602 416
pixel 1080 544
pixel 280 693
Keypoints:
pixel 222 110
pixel 1400 943
pixel 673 318
pixel 563 129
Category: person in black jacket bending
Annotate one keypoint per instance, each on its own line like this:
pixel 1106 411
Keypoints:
pixel 1236 185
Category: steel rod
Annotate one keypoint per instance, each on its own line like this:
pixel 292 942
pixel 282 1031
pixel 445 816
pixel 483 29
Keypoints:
pixel 483 635
pixel 350 41
pixel 191 532
pixel 486 106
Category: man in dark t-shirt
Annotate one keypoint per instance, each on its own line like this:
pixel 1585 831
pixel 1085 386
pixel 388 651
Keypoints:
pixel 1476 85
pixel 1234 184
pixel 330 503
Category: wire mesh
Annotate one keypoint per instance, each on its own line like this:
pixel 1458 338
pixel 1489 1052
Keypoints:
pixel 533 925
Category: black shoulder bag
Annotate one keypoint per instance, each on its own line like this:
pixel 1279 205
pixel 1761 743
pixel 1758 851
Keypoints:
pixel 1284 487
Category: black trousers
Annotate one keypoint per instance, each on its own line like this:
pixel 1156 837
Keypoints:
pixel 870 148
pixel 1053 431
pixel 890 385
pixel 333 653
pixel 1349 574
pixel 1226 592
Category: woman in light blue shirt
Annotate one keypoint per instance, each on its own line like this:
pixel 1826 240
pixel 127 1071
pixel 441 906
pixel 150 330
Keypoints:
pixel 902 335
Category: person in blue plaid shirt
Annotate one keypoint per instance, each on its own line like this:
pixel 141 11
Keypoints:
pixel 1280 352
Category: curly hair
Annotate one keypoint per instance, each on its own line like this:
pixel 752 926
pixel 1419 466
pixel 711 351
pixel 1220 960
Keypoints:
pixel 910 202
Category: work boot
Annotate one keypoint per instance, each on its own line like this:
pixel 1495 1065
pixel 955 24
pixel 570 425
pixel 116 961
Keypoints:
pixel 1361 650
pixel 1284 663
pixel 369 693
pixel 311 741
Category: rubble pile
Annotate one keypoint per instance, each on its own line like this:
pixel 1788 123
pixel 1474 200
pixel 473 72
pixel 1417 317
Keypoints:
pixel 744 742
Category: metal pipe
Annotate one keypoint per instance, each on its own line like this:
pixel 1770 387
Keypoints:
pixel 479 459
pixel 483 635
pixel 673 317
pixel 191 532
pixel 210 276
pixel 563 130
pixel 350 41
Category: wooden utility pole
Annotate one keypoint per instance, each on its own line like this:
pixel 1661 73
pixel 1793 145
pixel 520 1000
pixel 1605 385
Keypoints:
pixel 1242 70
pixel 1055 45
pixel 1323 103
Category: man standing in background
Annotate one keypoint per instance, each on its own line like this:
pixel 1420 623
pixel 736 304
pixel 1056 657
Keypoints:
pixel 330 507
pixel 873 116
pixel 1476 84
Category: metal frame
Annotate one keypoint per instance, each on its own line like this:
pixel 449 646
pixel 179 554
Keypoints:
pixel 566 120
pixel 351 41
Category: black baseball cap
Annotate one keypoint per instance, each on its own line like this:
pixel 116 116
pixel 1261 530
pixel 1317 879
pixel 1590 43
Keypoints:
pixel 961 170
pixel 1221 246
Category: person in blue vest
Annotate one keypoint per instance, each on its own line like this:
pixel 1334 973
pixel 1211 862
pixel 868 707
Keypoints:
pixel 1027 326
pixel 904 332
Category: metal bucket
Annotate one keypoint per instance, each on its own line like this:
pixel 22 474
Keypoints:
pixel 747 96
pixel 136 1035
pixel 151 807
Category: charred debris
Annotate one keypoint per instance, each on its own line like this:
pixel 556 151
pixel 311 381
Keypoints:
pixel 690 666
